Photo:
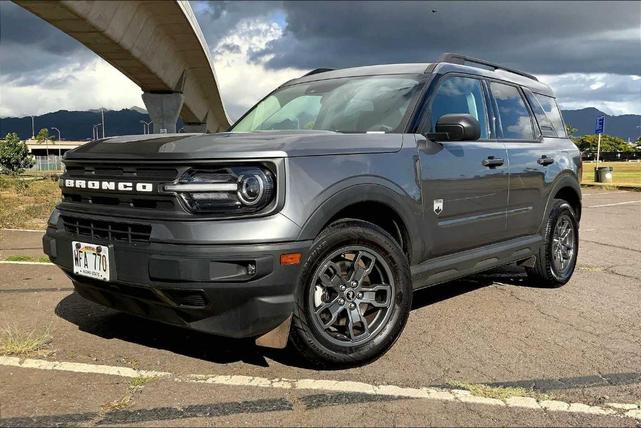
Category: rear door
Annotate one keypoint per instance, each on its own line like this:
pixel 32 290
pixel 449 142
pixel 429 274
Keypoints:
pixel 464 183
pixel 530 157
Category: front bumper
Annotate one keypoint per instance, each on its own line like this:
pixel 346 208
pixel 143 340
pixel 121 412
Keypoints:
pixel 205 287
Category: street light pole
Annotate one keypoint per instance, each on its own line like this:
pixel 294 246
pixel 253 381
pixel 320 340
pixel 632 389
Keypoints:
pixel 102 114
pixel 96 133
pixel 146 125
pixel 33 129
pixel 59 135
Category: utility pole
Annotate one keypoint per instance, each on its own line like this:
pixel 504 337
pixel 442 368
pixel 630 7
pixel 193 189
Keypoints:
pixel 33 129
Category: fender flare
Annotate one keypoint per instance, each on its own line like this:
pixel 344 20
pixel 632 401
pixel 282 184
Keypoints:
pixel 396 200
pixel 565 180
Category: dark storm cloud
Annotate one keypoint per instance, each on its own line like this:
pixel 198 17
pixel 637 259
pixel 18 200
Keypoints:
pixel 26 29
pixel 30 48
pixel 218 18
pixel 541 37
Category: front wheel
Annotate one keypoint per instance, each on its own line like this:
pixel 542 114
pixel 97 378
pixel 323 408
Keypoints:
pixel 354 298
pixel 556 260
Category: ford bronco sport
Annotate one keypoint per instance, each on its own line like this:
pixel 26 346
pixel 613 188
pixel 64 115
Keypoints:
pixel 324 207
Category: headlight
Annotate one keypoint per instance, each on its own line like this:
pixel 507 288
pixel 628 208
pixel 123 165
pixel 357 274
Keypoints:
pixel 225 190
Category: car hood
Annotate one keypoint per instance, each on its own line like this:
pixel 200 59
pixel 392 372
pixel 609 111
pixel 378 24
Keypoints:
pixel 272 144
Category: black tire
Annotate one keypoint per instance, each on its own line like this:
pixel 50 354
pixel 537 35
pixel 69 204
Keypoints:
pixel 547 271
pixel 324 347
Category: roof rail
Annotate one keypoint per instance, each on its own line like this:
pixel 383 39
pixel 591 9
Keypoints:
pixel 317 70
pixel 454 58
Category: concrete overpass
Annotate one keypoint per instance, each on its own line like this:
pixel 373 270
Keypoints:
pixel 158 45
pixel 52 147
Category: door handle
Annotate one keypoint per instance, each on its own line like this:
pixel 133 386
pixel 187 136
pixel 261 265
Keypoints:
pixel 545 161
pixel 492 162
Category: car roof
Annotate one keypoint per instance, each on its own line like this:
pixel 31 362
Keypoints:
pixel 424 69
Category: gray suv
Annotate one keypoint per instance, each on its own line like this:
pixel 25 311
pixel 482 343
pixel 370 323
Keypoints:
pixel 313 220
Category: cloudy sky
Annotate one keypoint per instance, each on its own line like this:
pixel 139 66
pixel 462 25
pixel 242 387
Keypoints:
pixel 590 53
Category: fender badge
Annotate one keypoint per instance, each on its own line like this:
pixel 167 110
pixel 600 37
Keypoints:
pixel 438 206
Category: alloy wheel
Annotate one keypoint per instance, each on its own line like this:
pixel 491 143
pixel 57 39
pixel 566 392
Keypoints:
pixel 563 245
pixel 352 295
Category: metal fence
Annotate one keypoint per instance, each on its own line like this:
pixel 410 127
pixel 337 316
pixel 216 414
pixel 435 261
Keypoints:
pixel 612 156
pixel 47 163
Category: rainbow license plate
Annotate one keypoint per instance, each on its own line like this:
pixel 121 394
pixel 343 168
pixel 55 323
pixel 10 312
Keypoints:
pixel 90 260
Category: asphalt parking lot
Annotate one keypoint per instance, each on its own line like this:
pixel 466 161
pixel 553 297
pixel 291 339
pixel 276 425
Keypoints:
pixel 575 350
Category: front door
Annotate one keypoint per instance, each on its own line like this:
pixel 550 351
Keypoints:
pixel 464 183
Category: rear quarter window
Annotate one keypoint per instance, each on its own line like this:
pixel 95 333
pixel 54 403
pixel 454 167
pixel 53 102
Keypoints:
pixel 552 113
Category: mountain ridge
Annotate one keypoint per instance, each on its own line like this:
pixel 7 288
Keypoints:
pixel 78 125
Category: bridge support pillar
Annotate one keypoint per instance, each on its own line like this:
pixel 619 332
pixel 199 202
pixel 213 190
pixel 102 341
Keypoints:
pixel 163 109
pixel 195 127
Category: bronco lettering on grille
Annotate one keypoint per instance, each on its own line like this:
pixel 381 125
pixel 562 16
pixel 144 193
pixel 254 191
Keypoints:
pixel 121 186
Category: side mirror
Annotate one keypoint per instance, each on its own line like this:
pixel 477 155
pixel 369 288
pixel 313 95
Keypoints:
pixel 457 127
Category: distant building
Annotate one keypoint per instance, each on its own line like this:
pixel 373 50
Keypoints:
pixel 49 153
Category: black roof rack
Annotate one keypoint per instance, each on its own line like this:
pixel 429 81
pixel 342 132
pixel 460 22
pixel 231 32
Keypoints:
pixel 317 70
pixel 454 58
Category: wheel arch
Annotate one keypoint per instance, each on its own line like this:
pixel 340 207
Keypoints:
pixel 565 187
pixel 373 203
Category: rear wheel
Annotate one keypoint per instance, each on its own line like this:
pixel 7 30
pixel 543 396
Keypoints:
pixel 354 298
pixel 557 257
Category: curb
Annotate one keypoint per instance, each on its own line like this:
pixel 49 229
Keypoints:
pixel 9 262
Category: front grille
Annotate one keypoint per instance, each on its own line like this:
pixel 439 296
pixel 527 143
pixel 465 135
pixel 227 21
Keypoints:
pixel 122 200
pixel 107 230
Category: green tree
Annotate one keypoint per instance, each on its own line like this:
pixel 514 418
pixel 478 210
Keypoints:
pixel 14 155
pixel 570 130
pixel 609 143
pixel 43 135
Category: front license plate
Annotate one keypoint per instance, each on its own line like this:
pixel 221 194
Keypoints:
pixel 90 260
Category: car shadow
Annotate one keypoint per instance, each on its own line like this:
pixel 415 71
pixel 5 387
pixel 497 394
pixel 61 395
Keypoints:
pixel 110 324
pixel 107 323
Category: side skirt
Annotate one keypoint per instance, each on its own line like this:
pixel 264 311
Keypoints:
pixel 453 266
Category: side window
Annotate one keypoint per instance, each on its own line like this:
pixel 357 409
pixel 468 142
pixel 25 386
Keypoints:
pixel 546 125
pixel 514 117
pixel 460 95
pixel 552 112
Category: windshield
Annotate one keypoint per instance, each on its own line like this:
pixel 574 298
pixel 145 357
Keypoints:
pixel 354 104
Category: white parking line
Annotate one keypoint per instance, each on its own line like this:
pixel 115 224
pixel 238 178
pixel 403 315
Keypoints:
pixel 29 363
pixel 615 204
pixel 603 193
pixel 23 230
pixel 440 394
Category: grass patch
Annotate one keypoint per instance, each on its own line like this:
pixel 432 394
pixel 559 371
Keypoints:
pixel 40 259
pixel 141 381
pixel 590 268
pixel 625 173
pixel 27 204
pixel 20 343
pixel 498 392
pixel 119 404
pixel 136 385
